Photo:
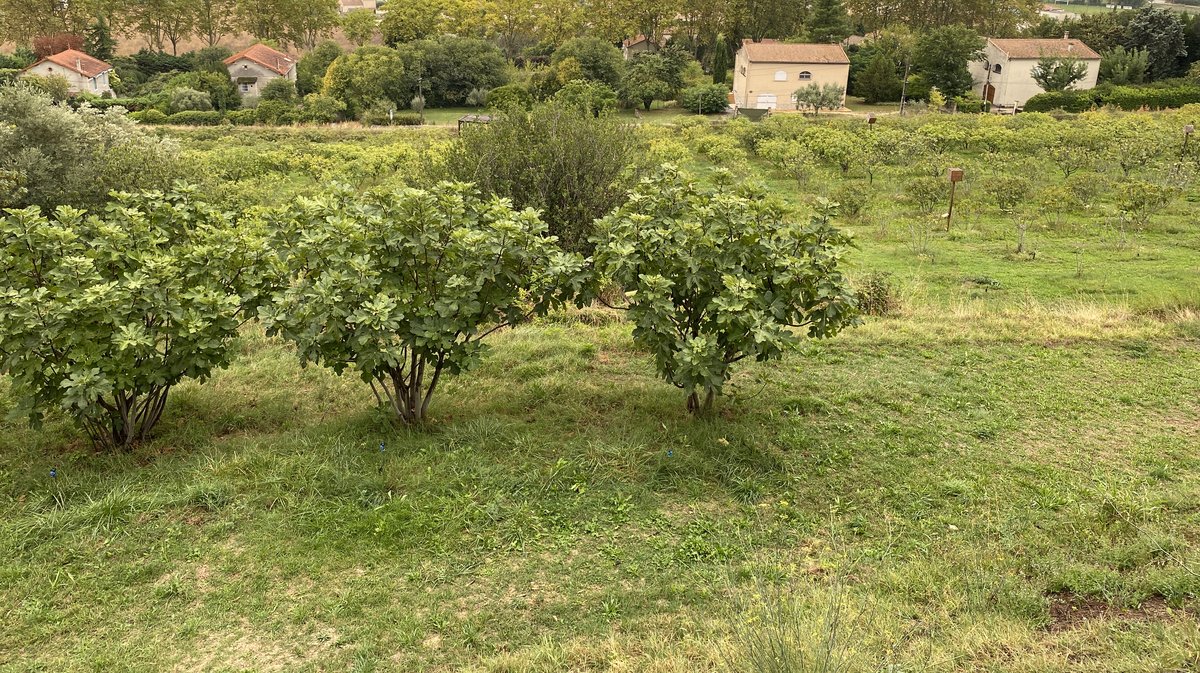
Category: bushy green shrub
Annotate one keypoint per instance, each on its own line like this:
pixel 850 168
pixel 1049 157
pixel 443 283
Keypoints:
pixel 103 314
pixel 1123 97
pixel 508 96
pixel 150 116
pixel 703 295
pixel 242 117
pixel 189 100
pixel 275 113
pixel 321 109
pixel 196 118
pixel 969 104
pixel 1154 98
pixel 707 99
pixel 1069 101
pixel 587 96
pixel 569 165
pixel 280 89
pixel 403 287
pixel 407 119
pixel 64 157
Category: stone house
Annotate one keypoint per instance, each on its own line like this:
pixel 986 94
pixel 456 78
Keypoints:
pixel 255 67
pixel 83 73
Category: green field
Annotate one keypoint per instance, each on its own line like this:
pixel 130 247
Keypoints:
pixel 1000 474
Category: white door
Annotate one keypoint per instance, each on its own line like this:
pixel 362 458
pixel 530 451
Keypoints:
pixel 766 101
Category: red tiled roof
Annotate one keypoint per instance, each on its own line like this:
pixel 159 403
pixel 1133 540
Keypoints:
pixel 266 57
pixel 1061 48
pixel 77 61
pixel 770 51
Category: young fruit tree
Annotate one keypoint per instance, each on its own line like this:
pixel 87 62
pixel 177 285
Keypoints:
pixel 1058 74
pixel 404 286
pixel 102 314
pixel 715 276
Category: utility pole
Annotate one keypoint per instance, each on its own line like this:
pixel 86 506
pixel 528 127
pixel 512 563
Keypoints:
pixel 904 87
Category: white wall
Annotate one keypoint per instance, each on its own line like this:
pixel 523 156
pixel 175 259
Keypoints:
pixel 244 67
pixel 76 82
pixel 1015 84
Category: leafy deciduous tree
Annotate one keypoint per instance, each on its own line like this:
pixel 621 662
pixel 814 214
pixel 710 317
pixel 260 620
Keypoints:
pixel 1058 74
pixel 104 313
pixel 714 277
pixel 404 287
pixel 942 54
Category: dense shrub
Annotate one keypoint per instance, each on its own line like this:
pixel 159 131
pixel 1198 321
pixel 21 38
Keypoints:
pixel 321 109
pixel 589 97
pixel 103 314
pixel 196 118
pixel 151 116
pixel 242 117
pixel 222 92
pixel 703 295
pixel 510 95
pixel 1123 97
pixel 568 165
pixel 706 99
pixel 403 287
pixel 589 58
pixel 275 113
pixel 65 157
pixel 189 100
pixel 1070 101
pixel 280 89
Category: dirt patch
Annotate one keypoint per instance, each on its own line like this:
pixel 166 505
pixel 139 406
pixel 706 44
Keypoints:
pixel 1072 611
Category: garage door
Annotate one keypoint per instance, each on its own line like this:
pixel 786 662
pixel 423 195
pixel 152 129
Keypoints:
pixel 766 101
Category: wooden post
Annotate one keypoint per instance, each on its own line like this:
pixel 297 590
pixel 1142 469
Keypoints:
pixel 956 176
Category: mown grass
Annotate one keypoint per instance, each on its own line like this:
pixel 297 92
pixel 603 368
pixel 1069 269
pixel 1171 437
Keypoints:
pixel 1001 476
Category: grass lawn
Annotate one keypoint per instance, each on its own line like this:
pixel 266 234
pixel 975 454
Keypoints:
pixel 1002 475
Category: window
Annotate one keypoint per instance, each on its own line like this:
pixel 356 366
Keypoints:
pixel 780 76
pixel 245 88
pixel 996 68
pixel 805 76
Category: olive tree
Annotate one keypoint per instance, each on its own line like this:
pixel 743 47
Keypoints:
pixel 102 313
pixel 716 276
pixel 404 286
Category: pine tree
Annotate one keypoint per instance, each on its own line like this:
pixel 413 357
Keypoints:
pixel 880 81
pixel 98 40
pixel 829 22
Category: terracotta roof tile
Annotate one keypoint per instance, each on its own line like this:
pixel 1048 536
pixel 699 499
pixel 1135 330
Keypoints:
pixel 266 57
pixel 77 61
pixel 770 51
pixel 1062 48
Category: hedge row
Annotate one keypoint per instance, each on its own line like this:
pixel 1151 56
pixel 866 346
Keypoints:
pixel 1123 97
pixel 265 115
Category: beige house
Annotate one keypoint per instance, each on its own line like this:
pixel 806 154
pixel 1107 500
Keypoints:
pixel 767 73
pixel 639 44
pixel 347 6
pixel 255 67
pixel 1005 75
pixel 83 73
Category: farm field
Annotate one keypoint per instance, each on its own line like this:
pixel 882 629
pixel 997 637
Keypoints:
pixel 996 471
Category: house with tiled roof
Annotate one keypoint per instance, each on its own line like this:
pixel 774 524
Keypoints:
pixel 83 73
pixel 767 73
pixel 1004 76
pixel 347 6
pixel 255 67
